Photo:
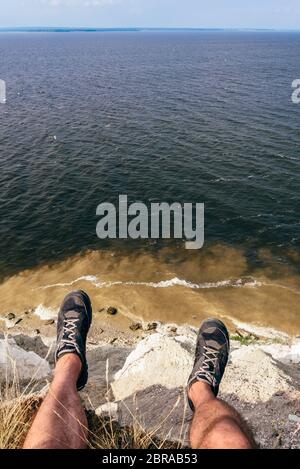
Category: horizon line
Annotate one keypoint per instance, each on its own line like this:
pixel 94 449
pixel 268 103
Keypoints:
pixel 135 29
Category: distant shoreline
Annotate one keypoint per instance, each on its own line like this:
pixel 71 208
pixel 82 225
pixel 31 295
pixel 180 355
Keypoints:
pixel 37 29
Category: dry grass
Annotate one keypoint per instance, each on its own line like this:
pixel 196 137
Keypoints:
pixel 17 414
pixel 106 434
pixel 18 409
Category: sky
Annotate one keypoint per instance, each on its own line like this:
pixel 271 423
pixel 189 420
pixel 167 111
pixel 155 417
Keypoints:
pixel 274 14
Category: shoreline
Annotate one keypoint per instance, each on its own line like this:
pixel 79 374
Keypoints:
pixel 144 287
pixel 34 320
pixel 41 321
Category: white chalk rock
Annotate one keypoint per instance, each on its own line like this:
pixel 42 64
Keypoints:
pixel 108 410
pixel 17 363
pixel 158 359
pixel 253 375
pixel 284 353
pixel 45 313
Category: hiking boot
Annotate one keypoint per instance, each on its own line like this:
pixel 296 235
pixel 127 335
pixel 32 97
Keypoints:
pixel 74 320
pixel 211 356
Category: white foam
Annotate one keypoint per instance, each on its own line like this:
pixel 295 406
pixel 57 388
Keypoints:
pixel 173 282
pixel 45 313
pixel 284 287
pixel 266 332
pixel 287 157
pixel 184 283
pixel 247 282
pixel 87 278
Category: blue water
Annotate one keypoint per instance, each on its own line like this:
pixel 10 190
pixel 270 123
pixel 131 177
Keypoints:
pixel 160 116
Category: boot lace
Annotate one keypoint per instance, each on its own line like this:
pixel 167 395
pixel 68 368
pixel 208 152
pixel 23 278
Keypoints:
pixel 69 336
pixel 210 361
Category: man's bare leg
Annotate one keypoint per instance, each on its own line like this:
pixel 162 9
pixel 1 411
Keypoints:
pixel 60 422
pixel 215 424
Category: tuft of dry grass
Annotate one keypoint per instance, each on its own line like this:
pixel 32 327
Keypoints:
pixel 17 414
pixel 18 409
pixel 106 434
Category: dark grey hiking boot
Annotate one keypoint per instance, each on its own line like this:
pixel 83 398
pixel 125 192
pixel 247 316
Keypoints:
pixel 74 320
pixel 211 355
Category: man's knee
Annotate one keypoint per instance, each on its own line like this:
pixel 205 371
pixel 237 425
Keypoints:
pixel 226 433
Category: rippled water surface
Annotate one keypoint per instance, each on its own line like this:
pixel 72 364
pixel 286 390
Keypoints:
pixel 189 117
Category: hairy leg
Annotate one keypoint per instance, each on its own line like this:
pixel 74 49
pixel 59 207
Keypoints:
pixel 215 424
pixel 61 421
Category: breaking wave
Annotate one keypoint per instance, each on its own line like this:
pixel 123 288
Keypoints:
pixel 248 282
